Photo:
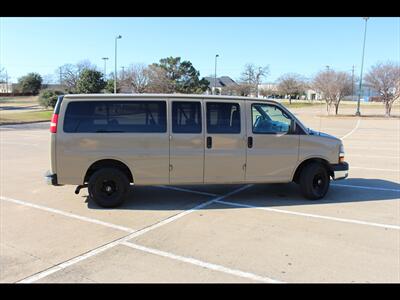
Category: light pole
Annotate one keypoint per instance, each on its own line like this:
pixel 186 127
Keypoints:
pixel 105 66
pixel 362 65
pixel 115 70
pixel 352 83
pixel 215 74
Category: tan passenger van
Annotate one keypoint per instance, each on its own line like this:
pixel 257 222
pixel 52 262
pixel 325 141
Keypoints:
pixel 107 142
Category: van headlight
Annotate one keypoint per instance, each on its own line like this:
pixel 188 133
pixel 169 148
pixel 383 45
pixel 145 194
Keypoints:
pixel 341 153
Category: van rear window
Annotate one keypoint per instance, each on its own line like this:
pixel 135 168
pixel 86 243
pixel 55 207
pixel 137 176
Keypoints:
pixel 115 116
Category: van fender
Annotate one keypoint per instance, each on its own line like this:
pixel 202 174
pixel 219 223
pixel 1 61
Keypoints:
pixel 308 158
pixel 92 162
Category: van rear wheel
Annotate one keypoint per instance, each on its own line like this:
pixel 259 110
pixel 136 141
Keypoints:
pixel 107 187
pixel 314 181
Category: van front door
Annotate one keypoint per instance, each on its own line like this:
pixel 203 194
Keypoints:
pixel 225 147
pixel 272 146
pixel 186 142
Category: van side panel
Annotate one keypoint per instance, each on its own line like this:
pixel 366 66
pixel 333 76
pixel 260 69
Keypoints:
pixel 53 164
pixel 146 154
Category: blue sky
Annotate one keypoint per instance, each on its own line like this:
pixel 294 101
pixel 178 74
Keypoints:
pixel 301 45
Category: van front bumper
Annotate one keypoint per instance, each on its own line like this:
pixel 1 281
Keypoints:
pixel 51 179
pixel 340 171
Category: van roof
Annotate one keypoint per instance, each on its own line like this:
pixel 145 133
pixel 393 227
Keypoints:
pixel 216 97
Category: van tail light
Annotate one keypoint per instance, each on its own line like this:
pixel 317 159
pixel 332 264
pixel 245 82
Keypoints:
pixel 53 123
pixel 341 154
pixel 341 157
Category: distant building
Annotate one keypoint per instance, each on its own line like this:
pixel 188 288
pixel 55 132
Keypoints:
pixel 12 88
pixel 311 94
pixel 272 91
pixel 218 86
pixel 267 90
pixel 6 88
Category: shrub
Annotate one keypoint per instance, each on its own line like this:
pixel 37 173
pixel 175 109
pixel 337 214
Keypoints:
pixel 48 98
pixel 30 83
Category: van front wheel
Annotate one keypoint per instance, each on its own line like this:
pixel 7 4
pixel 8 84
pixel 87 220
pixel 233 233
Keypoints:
pixel 314 181
pixel 107 187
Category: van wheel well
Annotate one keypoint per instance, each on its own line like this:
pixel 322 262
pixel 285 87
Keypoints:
pixel 308 161
pixel 108 163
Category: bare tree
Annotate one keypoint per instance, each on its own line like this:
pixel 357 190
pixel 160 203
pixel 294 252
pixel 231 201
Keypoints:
pixel 48 79
pixel 159 82
pixel 385 79
pixel 265 92
pixel 69 74
pixel 238 89
pixel 252 77
pixel 135 79
pixel 291 84
pixel 3 75
pixel 334 86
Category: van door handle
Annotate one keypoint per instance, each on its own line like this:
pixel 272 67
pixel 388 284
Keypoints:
pixel 250 142
pixel 209 142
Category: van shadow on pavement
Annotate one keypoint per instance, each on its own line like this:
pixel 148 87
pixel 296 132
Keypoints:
pixel 260 195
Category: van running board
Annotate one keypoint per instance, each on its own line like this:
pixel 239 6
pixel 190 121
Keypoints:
pixel 79 187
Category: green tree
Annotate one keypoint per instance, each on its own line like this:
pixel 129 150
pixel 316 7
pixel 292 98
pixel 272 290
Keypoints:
pixel 30 83
pixel 109 88
pixel 182 77
pixel 48 98
pixel 90 81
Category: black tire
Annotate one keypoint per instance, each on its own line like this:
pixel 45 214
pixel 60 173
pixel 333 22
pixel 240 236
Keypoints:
pixel 107 187
pixel 314 181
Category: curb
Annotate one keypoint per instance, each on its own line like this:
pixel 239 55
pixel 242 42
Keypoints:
pixel 23 123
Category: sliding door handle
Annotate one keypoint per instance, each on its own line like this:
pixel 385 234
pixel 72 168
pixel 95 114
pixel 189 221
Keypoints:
pixel 250 142
pixel 209 142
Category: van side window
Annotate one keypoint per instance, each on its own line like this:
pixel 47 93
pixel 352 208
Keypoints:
pixel 116 116
pixel 186 117
pixel 223 117
pixel 270 119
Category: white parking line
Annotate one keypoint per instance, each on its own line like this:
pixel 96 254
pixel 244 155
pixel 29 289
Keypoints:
pixel 377 169
pixel 19 144
pixel 347 146
pixel 202 264
pixel 365 187
pixel 311 215
pixel 186 190
pixel 67 214
pixel 352 131
pixel 373 156
pixel 63 265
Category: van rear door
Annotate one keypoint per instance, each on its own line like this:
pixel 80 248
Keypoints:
pixel 133 132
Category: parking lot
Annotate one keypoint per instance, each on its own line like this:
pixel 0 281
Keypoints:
pixel 210 233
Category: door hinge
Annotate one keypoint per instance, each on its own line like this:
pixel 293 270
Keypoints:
pixel 244 166
pixel 170 168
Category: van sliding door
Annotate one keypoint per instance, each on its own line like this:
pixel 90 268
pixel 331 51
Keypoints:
pixel 186 141
pixel 225 151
